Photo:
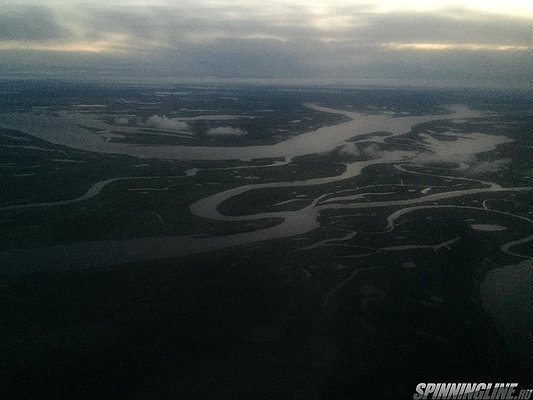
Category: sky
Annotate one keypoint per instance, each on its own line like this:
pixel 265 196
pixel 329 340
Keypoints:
pixel 391 42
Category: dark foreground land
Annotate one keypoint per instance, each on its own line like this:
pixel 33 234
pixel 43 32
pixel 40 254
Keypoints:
pixel 227 326
pixel 388 288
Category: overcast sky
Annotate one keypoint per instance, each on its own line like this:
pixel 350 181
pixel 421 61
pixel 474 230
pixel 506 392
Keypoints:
pixel 436 43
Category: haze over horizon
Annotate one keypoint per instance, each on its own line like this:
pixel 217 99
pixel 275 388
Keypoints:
pixel 441 43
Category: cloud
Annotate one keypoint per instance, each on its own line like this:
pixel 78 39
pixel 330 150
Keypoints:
pixel 226 131
pixel 121 121
pixel 372 151
pixel 482 167
pixel 171 124
pixel 353 152
pixel 30 23
pixel 342 39
pixel 350 152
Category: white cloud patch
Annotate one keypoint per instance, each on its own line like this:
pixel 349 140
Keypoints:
pixel 226 131
pixel 170 124
pixel 372 151
pixel 351 152
pixel 483 167
pixel 121 121
pixel 460 148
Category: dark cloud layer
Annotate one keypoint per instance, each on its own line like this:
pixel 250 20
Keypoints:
pixel 30 23
pixel 236 42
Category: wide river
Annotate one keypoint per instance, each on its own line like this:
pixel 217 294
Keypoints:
pixel 61 130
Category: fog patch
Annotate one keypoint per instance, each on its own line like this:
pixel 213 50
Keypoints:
pixel 487 227
pixel 226 131
pixel 483 167
pixel 460 148
pixel 171 124
pixel 372 151
pixel 353 152
pixel 121 121
pixel 350 152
